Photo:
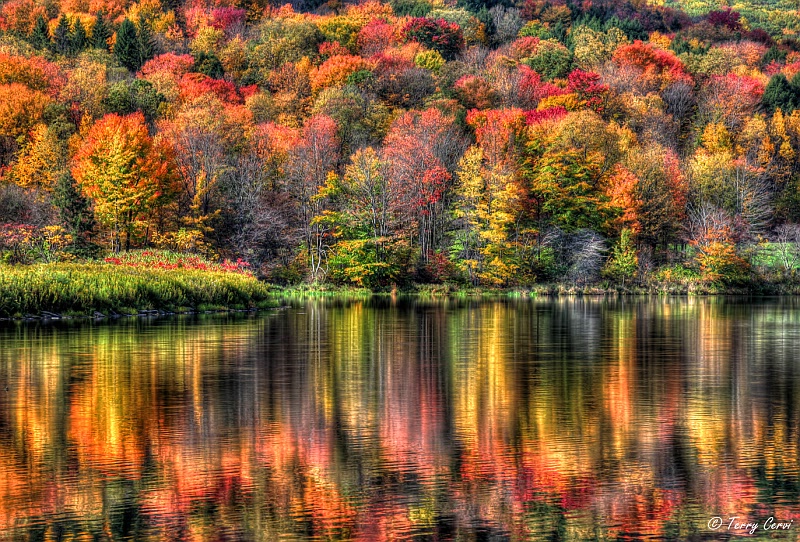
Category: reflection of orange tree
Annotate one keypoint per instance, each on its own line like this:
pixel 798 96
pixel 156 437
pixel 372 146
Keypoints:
pixel 20 494
pixel 301 482
pixel 102 423
pixel 635 505
pixel 191 478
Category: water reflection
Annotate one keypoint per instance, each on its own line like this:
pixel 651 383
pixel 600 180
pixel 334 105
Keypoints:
pixel 585 419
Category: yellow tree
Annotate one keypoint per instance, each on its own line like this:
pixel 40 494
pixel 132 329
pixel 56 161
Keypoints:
pixel 489 202
pixel 41 161
pixel 367 192
pixel 20 110
pixel 489 196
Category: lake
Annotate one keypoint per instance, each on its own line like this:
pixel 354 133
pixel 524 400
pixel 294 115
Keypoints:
pixel 406 419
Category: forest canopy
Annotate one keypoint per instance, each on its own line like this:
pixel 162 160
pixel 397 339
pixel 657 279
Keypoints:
pixel 491 143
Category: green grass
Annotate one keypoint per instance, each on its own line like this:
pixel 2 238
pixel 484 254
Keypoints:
pixel 68 288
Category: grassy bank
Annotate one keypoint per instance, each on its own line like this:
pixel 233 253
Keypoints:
pixel 82 289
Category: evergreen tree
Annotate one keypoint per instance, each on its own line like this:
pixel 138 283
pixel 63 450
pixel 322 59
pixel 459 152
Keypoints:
pixel 170 5
pixel 623 263
pixel 773 55
pixel 780 94
pixel 40 37
pixel 209 64
pixel 61 36
pixel 100 33
pixel 126 48
pixel 78 39
pixel 146 43
pixel 74 210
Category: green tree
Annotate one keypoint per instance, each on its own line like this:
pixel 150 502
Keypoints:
pixel 74 210
pixel 552 60
pixel 780 94
pixel 147 46
pixel 40 36
pixel 126 48
pixel 623 262
pixel 61 36
pixel 100 32
pixel 78 38
pixel 773 55
pixel 209 64
pixel 127 97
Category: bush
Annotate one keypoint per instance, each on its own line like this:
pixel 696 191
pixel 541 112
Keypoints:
pixel 676 274
pixel 25 244
pixel 356 262
pixel 719 263
pixel 437 270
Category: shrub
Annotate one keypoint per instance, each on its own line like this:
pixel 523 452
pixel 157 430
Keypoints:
pixel 356 262
pixel 24 243
pixel 719 263
pixel 164 259
pixel 429 60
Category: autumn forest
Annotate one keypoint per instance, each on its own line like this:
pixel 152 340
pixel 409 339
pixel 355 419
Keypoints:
pixel 471 142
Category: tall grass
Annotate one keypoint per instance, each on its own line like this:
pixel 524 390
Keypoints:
pixel 84 288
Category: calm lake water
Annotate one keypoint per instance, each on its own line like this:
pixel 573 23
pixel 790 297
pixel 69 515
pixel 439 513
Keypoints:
pixel 568 419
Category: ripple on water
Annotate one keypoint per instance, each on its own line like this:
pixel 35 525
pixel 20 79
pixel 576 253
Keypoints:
pixel 539 419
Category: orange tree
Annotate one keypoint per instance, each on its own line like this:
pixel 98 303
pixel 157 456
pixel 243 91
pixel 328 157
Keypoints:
pixel 126 173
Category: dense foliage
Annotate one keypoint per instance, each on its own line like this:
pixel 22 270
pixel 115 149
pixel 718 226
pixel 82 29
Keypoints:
pixel 378 144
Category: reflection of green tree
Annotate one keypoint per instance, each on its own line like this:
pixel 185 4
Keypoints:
pixel 546 519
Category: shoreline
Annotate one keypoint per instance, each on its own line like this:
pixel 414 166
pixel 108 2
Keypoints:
pixel 86 291
pixel 47 316
pixel 345 294
pixel 548 290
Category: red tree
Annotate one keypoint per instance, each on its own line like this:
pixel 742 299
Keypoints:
pixel 435 34
pixel 418 148
pixel 588 88
pixel 659 68
pixel 315 156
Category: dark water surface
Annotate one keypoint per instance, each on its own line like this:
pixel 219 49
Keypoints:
pixel 579 419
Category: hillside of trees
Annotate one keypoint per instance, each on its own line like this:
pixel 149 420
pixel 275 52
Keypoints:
pixel 374 144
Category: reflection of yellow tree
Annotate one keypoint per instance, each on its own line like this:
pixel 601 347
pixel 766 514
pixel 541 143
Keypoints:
pixel 484 405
